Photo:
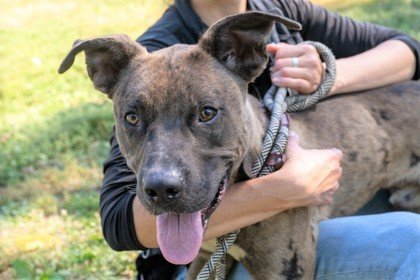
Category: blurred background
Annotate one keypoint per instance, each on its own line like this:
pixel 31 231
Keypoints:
pixel 54 130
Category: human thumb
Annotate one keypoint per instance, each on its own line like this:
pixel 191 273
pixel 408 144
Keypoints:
pixel 292 143
pixel 271 48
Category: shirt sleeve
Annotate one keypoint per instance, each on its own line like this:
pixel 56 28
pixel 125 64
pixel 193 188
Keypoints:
pixel 116 201
pixel 344 36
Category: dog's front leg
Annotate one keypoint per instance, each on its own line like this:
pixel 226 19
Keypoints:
pixel 282 247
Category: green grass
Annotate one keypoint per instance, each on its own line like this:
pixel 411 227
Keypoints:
pixel 401 14
pixel 33 97
pixel 54 130
pixel 54 133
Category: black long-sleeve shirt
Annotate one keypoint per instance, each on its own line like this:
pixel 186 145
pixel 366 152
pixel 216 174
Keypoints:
pixel 180 24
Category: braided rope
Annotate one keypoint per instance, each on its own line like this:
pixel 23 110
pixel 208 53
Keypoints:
pixel 274 142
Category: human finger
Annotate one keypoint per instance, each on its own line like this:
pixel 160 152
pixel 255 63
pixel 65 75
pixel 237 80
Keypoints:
pixel 283 50
pixel 325 198
pixel 305 61
pixel 271 48
pixel 297 73
pixel 338 152
pixel 288 62
pixel 301 85
pixel 288 51
pixel 330 181
pixel 334 189
pixel 293 144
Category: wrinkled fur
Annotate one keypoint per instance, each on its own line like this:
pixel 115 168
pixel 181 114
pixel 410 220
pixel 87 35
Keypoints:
pixel 378 131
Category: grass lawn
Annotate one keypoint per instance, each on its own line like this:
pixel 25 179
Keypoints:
pixel 54 130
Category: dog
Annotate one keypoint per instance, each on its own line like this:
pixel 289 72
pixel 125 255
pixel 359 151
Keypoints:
pixel 188 128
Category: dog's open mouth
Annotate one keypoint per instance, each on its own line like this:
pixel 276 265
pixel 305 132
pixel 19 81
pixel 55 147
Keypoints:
pixel 180 235
pixel 205 214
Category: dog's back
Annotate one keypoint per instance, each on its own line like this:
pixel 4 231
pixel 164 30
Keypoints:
pixel 379 133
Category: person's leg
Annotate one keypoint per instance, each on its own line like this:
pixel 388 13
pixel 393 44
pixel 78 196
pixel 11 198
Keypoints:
pixel 239 272
pixel 384 246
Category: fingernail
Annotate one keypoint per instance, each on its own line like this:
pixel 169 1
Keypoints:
pixel 338 151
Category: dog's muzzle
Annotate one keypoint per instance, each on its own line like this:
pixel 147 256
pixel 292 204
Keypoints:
pixel 179 234
pixel 163 188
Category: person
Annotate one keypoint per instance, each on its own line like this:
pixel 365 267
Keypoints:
pixel 381 56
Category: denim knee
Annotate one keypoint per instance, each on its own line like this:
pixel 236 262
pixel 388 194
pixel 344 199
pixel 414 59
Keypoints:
pixel 384 246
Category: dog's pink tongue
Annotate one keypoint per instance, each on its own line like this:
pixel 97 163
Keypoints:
pixel 179 236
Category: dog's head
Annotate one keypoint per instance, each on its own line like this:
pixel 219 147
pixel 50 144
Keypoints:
pixel 182 119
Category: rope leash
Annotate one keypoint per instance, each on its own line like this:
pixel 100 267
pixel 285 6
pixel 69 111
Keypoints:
pixel 278 103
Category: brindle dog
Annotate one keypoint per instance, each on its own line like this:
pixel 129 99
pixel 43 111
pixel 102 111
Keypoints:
pixel 186 126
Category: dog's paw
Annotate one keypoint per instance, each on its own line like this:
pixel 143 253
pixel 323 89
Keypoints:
pixel 407 198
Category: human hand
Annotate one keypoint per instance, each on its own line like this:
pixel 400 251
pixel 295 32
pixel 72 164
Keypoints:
pixel 308 177
pixel 298 67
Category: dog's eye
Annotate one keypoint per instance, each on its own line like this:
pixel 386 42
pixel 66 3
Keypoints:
pixel 207 114
pixel 132 119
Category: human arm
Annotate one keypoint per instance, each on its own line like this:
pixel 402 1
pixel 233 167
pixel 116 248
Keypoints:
pixel 390 62
pixel 116 201
pixel 368 55
pixel 308 178
pixel 126 225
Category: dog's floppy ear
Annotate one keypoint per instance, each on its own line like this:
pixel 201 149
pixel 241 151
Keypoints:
pixel 239 41
pixel 106 57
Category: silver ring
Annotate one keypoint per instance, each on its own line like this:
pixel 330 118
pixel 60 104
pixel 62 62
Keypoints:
pixel 295 62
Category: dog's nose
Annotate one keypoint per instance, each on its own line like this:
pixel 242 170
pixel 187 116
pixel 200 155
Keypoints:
pixel 163 188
